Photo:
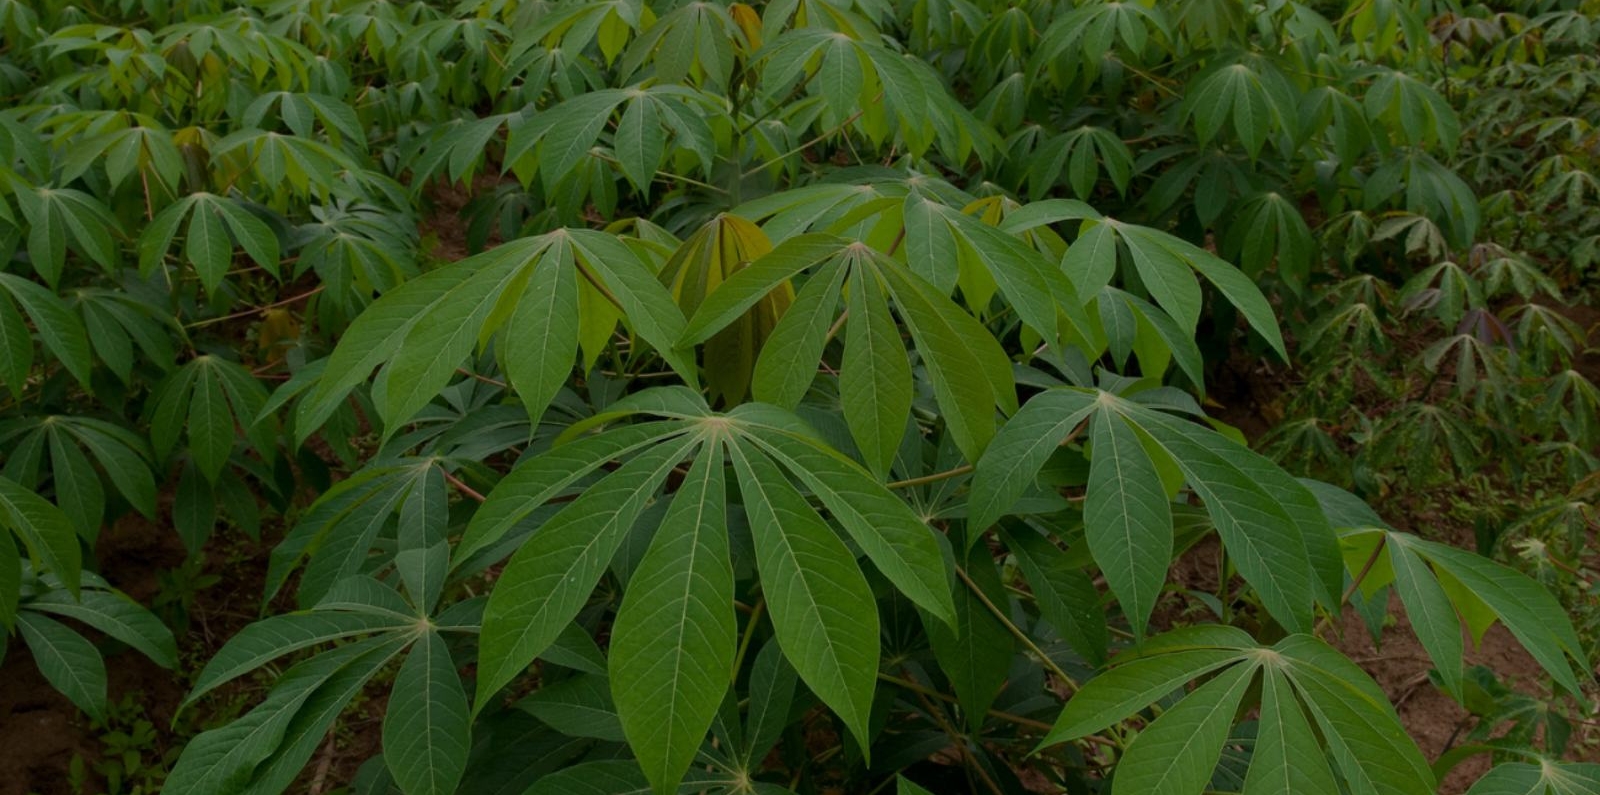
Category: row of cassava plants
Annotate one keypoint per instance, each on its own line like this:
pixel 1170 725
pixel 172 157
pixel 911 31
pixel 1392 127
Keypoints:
pixel 825 401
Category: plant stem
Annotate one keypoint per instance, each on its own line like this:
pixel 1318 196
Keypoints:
pixel 749 632
pixel 1344 599
pixel 808 144
pixel 248 312
pixel 463 487
pixel 934 478
pixel 1015 630
pixel 949 699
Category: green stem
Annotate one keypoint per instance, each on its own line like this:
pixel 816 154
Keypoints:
pixel 1344 599
pixel 1015 630
pixel 749 632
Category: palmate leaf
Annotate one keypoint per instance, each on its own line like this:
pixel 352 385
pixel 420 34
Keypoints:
pixel 1441 586
pixel 1162 262
pixel 223 760
pixel 886 94
pixel 58 329
pixel 422 331
pixel 1254 98
pixel 1411 111
pixel 208 400
pixel 32 604
pixel 1304 683
pixel 1066 596
pixel 45 531
pixel 426 732
pixel 670 671
pixel 815 593
pixel 1547 777
pixel 1271 525
pixel 117 616
pixel 976 652
pixel 554 142
pixel 59 219
pixel 549 579
pixel 68 661
pixel 75 445
pixel 1267 230
pixel 951 344
pixel 216 225
pixel 1127 518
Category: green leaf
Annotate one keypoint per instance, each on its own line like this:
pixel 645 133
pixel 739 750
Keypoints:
pixel 969 370
pixel 1012 462
pixel 537 480
pixel 543 337
pixel 649 307
pixel 211 432
pixel 1531 613
pixel 1177 753
pixel 788 360
pixel 893 537
pixel 376 334
pixel 1264 542
pixel 1091 260
pixel 1545 778
pixel 1127 518
pixel 304 732
pixel 975 653
pixel 207 246
pixel 640 142
pixel 752 283
pixel 672 644
pixel 222 759
pixel 270 638
pixel 77 485
pixel 1287 756
pixel 772 686
pixel 1066 596
pixel 16 348
pixel 117 616
pixel 439 341
pixel 1370 747
pixel 68 661
pixel 579 706
pixel 1114 695
pixel 547 581
pixel 60 330
pixel 423 554
pixel 426 728
pixel 606 777
pixel 821 607
pixel 45 531
pixel 875 376
pixel 1432 618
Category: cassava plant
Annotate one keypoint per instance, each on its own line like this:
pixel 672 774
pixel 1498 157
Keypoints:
pixel 799 396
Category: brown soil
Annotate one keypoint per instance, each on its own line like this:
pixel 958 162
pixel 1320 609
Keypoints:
pixel 1400 666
